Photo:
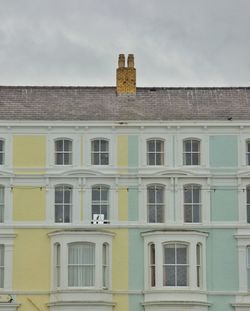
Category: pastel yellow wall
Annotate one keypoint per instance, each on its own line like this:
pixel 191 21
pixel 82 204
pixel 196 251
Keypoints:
pixel 122 151
pixel 29 204
pixel 123 204
pixel 120 268
pixel 29 151
pixel 31 260
pixel 33 302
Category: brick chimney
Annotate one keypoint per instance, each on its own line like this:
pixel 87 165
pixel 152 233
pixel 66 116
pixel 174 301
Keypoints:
pixel 126 76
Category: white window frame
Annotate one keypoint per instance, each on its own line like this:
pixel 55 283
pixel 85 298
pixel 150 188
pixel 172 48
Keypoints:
pixel 76 201
pixel 2 152
pixel 243 242
pixel 167 141
pixel 97 238
pixel 88 152
pixel 163 205
pixel 161 238
pixel 113 200
pixel 155 152
pixel 7 239
pixel 205 200
pixel 76 150
pixel 186 188
pixel 63 204
pixel 99 151
pixel 191 152
pixel 63 152
pixel 7 139
pixel 143 201
pixel 204 150
pixel 101 202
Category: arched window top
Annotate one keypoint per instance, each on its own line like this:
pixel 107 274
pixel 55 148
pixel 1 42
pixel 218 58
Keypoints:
pixel 156 186
pixel 63 186
pixel 191 151
pixel 63 151
pixel 155 151
pixel 99 151
pixel 191 186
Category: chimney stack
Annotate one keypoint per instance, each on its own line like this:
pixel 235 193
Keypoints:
pixel 126 76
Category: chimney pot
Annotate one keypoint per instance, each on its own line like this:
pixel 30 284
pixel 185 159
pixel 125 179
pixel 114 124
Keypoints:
pixel 131 61
pixel 121 61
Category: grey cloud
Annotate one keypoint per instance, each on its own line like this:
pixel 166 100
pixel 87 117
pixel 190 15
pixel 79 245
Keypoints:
pixel 76 42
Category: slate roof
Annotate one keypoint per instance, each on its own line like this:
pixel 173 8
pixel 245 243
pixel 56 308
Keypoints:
pixel 102 103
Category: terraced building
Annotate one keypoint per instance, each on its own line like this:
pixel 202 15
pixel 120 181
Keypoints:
pixel 124 198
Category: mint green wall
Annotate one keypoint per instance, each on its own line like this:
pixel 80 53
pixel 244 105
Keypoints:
pixel 133 151
pixel 224 203
pixel 133 204
pixel 222 260
pixel 223 151
pixel 221 303
pixel 136 261
pixel 135 302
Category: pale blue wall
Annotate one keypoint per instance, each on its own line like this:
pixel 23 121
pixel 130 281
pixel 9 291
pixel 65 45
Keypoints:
pixel 223 151
pixel 221 303
pixel 224 203
pixel 133 151
pixel 222 260
pixel 133 203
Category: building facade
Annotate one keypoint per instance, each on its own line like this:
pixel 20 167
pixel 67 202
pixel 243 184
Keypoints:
pixel 124 198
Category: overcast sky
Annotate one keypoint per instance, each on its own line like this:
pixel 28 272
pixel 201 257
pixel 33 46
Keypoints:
pixel 77 42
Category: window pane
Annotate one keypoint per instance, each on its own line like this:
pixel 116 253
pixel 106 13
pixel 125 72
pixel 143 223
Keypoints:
pixel 67 217
pixel 187 145
pixel 104 194
pixel 1 195
pixel 248 213
pixel 59 145
pixel 151 213
pixel 59 213
pixel 248 146
pixel 181 253
pixel 152 254
pixel 196 213
pixel 1 158
pixel 151 158
pixel 187 195
pixel 248 159
pixel 1 145
pixel 159 213
pixel 158 159
pixel 248 195
pixel 104 158
pixel 195 159
pixel 95 145
pixel 195 146
pixel 248 278
pixel 196 194
pixel 67 195
pixel 104 145
pixel 187 159
pixel 67 145
pixel 59 195
pixel 151 145
pixel 95 159
pixel 159 145
pixel 59 158
pixel 169 276
pixel 248 256
pixel 159 195
pixel 181 276
pixel 169 257
pixel 67 158
pixel 96 209
pixel 104 211
pixel 96 194
pixel 151 195
pixel 188 213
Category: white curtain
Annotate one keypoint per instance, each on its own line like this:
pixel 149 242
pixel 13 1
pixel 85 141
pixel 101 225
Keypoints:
pixel 81 264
